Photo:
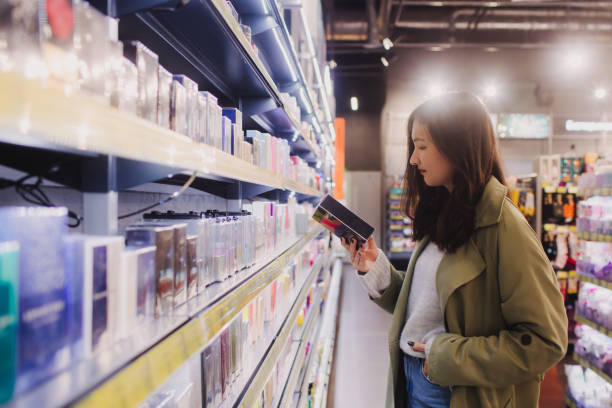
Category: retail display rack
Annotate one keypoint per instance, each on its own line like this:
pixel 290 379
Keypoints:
pixel 256 57
pixel 399 244
pixel 592 315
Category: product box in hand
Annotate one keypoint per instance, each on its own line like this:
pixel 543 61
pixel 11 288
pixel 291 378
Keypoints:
pixel 43 326
pixel 191 105
pixel 163 239
pixel 147 63
pixel 341 221
pixel 9 316
pixel 164 97
pixel 137 297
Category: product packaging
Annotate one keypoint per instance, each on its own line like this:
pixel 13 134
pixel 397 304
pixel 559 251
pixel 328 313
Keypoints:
pixel 202 118
pixel 212 138
pixel 137 289
pixel 164 97
pixel 146 62
pixel 92 44
pixel 191 106
pixel 235 116
pixel 95 271
pixel 9 316
pixel 163 239
pixel 43 328
pixel 192 266
pixel 178 115
pixel 128 91
pixel 226 134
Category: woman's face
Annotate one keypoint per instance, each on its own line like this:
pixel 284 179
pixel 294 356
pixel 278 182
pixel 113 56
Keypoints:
pixel 434 167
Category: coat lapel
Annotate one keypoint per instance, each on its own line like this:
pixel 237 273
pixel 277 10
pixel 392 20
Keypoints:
pixel 456 270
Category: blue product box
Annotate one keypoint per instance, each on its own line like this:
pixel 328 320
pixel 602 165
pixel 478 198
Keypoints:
pixel 43 328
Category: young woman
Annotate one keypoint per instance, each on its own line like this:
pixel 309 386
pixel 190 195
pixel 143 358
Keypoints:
pixel 478 317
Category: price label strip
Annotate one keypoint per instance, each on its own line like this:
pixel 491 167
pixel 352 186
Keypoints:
pixel 595 281
pixel 135 382
pixel 583 362
pixel 601 329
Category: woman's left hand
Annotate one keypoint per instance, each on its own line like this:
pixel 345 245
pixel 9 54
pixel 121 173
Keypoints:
pixel 421 347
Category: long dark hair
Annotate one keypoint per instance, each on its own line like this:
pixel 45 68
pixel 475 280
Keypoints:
pixel 461 129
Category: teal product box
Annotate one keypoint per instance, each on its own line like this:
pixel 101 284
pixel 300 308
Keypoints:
pixel 9 317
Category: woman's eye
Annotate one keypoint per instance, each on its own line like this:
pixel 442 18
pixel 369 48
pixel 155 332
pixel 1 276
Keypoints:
pixel 421 148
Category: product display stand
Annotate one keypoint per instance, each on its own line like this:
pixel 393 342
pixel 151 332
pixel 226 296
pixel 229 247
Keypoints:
pixel 592 386
pixel 399 244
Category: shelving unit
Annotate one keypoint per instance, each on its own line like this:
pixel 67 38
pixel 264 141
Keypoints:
pixel 583 362
pixel 601 329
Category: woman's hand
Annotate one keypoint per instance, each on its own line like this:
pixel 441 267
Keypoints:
pixel 364 258
pixel 420 347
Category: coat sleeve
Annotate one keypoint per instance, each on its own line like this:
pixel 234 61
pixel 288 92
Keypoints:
pixel 534 312
pixel 389 296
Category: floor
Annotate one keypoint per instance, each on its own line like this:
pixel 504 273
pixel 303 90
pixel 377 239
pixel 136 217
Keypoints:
pixel 361 361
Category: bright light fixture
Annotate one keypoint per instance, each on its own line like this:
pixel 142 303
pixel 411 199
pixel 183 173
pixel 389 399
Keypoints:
pixel 491 49
pixel 490 91
pixel 354 103
pixel 436 49
pixel 384 61
pixel 436 89
pixel 387 43
pixel 600 93
pixel 575 60
pixel 332 64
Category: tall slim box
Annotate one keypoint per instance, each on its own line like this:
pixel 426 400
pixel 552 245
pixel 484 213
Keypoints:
pixel 137 290
pixel 162 237
pixel 9 316
pixel 148 65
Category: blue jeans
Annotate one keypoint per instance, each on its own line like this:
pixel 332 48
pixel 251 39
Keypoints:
pixel 422 393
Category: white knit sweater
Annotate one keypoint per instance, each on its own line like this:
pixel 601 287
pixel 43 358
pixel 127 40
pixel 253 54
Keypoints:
pixel 423 315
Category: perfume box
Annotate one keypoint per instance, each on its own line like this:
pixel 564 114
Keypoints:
pixel 235 116
pixel 147 63
pixel 226 141
pixel 137 290
pixel 9 316
pixel 202 118
pixel 43 337
pixel 210 132
pixel 94 268
pixel 93 48
pixel 178 111
pixel 164 97
pixel 162 237
pixel 128 96
pixel 191 105
pixel 192 266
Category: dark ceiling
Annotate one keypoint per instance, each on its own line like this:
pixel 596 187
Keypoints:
pixel 355 28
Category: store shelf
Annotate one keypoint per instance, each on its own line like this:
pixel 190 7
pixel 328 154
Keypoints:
pixel 595 281
pixel 286 399
pixel 125 374
pixel 594 236
pixel 598 327
pixel 43 116
pixel 590 192
pixel 399 255
pixel 225 63
pixel 583 362
pixel 327 338
pixel 570 402
pixel 258 381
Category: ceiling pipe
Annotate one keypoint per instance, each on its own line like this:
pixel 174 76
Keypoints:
pixel 373 40
pixel 495 4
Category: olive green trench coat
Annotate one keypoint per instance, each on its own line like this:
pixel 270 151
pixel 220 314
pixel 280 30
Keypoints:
pixel 504 315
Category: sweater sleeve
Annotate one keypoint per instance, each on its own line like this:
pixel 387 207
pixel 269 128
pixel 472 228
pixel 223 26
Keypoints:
pixel 378 278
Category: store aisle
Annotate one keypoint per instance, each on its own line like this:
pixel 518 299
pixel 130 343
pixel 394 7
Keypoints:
pixel 361 360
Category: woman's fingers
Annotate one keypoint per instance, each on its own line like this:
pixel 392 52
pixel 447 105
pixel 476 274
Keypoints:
pixel 372 243
pixel 418 347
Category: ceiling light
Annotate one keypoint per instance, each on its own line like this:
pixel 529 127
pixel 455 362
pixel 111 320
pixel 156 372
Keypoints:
pixel 436 4
pixel 387 43
pixel 384 61
pixel 354 103
pixel 600 93
pixel 436 49
pixel 436 89
pixel 491 49
pixel 333 64
pixel 490 91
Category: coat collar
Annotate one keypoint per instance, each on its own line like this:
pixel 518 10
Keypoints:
pixel 489 208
